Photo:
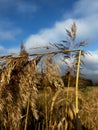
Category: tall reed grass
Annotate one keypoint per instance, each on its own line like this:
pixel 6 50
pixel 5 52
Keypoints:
pixel 40 101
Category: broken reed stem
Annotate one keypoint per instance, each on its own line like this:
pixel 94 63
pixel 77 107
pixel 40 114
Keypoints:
pixel 39 54
pixel 77 82
pixel 27 112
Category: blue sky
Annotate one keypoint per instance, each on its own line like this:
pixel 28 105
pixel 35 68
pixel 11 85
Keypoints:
pixel 21 18
pixel 38 22
pixel 30 20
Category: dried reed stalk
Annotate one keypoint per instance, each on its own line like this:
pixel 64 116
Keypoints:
pixel 77 80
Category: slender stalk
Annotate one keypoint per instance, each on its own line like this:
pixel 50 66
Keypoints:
pixel 27 112
pixel 39 54
pixel 77 82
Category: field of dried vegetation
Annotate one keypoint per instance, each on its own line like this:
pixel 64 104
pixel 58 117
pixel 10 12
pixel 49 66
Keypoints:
pixel 33 95
pixel 29 100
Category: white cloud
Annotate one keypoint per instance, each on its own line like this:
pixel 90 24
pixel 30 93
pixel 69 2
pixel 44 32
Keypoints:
pixel 85 13
pixel 9 35
pixel 85 7
pixel 45 36
pixel 91 66
pixel 8 31
pixel 91 58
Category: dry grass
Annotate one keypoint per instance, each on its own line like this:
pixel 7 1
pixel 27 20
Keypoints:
pixel 59 119
pixel 22 104
pixel 17 87
pixel 89 109
pixel 29 100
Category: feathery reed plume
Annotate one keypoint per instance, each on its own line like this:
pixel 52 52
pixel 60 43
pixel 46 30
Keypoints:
pixel 52 74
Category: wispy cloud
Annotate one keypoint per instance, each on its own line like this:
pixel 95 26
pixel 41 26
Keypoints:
pixel 85 8
pixel 8 31
pixel 18 6
pixel 9 8
pixel 26 7
pixel 45 36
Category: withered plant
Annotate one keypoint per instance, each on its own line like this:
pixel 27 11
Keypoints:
pixel 17 88
pixel 51 74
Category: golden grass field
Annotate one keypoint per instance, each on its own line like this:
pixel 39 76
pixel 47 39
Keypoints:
pixel 60 111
